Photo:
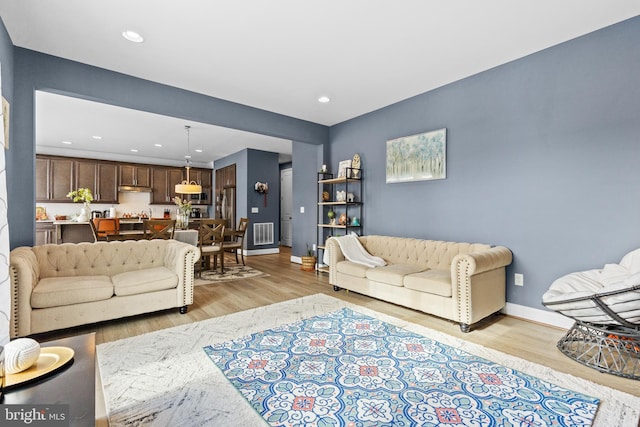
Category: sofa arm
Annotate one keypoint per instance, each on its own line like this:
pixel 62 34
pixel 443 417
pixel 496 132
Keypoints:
pixel 478 281
pixel 24 273
pixel 335 256
pixel 479 262
pixel 180 257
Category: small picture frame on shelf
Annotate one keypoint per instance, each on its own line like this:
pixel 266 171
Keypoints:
pixel 343 168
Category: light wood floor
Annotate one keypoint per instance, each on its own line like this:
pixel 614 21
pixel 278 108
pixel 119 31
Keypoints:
pixel 524 339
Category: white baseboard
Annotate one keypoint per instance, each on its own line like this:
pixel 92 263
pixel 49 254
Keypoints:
pixel 536 315
pixel 296 259
pixel 261 251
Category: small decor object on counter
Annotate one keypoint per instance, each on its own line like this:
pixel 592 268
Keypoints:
pixel 20 354
pixel 355 221
pixel 82 195
pixel 325 196
pixel 340 195
pixel 41 213
pixel 183 213
pixel 262 188
pixel 351 198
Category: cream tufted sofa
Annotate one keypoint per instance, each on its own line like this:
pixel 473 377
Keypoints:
pixel 462 282
pixel 60 286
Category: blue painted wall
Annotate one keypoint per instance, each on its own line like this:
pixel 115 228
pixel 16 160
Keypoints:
pixel 263 166
pixel 252 166
pixel 542 157
pixel 36 71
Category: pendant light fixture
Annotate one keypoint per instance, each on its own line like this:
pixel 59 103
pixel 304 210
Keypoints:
pixel 187 186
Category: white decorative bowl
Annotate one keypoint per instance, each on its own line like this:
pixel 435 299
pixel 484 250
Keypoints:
pixel 20 354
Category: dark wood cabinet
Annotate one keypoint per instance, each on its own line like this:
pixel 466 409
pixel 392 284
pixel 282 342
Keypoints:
pixel 174 176
pixel 164 184
pixel 107 182
pixel 57 176
pixel 100 177
pixel 136 175
pixel 54 179
pixel 45 233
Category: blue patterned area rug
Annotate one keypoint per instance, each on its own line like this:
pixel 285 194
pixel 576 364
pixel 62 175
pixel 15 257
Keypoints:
pixel 345 368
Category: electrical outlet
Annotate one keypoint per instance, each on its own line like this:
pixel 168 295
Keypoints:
pixel 314 246
pixel 518 279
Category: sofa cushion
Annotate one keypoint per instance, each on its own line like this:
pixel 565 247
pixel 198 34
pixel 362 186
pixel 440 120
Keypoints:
pixel 352 269
pixel 142 281
pixel 393 274
pixel 59 291
pixel 432 281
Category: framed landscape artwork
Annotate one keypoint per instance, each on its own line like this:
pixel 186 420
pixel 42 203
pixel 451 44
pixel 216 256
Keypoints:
pixel 419 157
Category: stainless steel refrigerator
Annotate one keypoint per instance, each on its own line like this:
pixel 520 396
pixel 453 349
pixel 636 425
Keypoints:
pixel 228 205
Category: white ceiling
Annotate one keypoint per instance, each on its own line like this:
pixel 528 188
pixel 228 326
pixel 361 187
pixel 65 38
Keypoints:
pixel 281 55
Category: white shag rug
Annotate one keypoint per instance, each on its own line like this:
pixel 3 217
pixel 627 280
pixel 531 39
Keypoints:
pixel 165 378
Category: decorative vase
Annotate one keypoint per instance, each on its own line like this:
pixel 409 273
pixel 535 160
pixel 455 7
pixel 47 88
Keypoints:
pixel 308 263
pixel 84 215
pixel 182 220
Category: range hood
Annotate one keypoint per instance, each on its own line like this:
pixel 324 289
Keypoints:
pixel 134 189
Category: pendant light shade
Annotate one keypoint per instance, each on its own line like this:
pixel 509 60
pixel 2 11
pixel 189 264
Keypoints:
pixel 187 186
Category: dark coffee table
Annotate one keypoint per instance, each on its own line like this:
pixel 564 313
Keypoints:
pixel 73 385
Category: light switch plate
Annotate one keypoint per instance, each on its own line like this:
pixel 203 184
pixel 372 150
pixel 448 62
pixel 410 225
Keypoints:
pixel 301 209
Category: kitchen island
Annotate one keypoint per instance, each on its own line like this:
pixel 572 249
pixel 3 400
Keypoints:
pixel 67 231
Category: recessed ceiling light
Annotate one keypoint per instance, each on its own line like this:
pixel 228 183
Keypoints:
pixel 134 150
pixel 187 156
pixel 132 36
pixel 96 137
pixel 324 99
pixel 158 145
pixel 67 142
pixel 198 151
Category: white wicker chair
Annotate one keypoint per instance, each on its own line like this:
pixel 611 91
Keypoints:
pixel 605 305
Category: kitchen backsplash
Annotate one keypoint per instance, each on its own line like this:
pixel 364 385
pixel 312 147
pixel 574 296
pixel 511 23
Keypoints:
pixel 130 203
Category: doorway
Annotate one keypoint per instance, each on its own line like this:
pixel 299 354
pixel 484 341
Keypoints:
pixel 286 206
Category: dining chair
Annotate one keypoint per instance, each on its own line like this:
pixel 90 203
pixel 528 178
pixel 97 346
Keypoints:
pixel 106 227
pixel 94 231
pixel 211 243
pixel 159 228
pixel 237 239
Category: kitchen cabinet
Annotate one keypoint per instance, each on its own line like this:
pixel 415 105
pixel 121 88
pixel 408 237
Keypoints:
pixel 100 177
pixel 108 182
pixel 174 176
pixel 136 175
pixel 229 176
pixel 54 179
pixel 201 176
pixel 45 233
pixel 164 183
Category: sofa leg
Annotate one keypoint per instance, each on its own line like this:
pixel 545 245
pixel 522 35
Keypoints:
pixel 335 288
pixel 464 327
pixel 183 309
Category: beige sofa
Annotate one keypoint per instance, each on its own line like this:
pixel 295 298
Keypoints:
pixel 462 282
pixel 60 286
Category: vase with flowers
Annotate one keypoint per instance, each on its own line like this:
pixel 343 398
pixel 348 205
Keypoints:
pixel 82 195
pixel 182 215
